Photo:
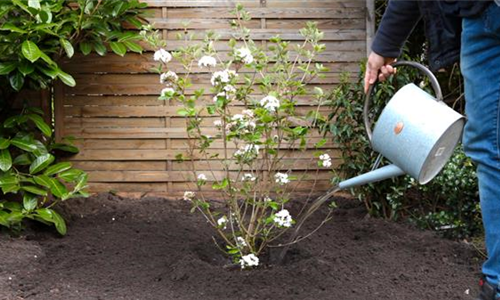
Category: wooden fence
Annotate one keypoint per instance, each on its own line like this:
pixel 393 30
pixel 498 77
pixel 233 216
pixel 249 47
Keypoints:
pixel 128 139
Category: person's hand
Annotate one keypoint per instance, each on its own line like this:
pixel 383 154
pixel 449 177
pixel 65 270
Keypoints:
pixel 378 66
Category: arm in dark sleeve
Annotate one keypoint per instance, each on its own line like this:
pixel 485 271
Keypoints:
pixel 399 19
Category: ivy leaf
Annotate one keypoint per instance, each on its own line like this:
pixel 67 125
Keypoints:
pixel 40 123
pixel 68 48
pixel 118 48
pixel 5 160
pixel 57 168
pixel 41 163
pixel 66 78
pixel 30 51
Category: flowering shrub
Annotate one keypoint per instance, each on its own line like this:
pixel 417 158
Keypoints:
pixel 257 133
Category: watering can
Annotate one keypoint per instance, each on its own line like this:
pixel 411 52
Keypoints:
pixel 416 132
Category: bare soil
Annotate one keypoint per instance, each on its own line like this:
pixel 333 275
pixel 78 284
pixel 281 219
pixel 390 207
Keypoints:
pixel 155 249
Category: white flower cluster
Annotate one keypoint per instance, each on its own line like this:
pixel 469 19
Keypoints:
pixel 168 77
pixel 270 103
pixel 222 222
pixel 207 61
pixel 167 92
pixel 188 195
pixel 281 178
pixel 326 160
pixel 228 92
pixel 202 177
pixel 240 242
pixel 245 55
pixel 218 124
pixel 248 177
pixel 283 218
pixel 247 150
pixel 222 77
pixel 249 260
pixel 162 55
pixel 244 122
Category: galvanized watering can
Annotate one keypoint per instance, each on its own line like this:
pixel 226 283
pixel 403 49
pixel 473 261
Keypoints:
pixel 416 132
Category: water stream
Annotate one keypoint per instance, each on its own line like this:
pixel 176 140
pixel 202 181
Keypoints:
pixel 314 207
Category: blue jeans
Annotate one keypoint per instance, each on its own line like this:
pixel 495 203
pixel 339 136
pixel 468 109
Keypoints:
pixel 480 63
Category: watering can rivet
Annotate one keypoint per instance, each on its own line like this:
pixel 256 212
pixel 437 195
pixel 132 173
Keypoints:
pixel 399 127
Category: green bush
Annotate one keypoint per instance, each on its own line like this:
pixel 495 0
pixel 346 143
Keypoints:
pixel 28 169
pixel 449 203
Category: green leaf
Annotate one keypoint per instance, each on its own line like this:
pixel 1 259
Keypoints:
pixel 30 202
pixel 16 81
pixel 3 218
pixel 70 175
pixel 23 144
pixel 5 160
pixel 58 189
pixel 59 222
pixel 34 190
pixel 41 163
pixel 30 51
pixel 4 143
pixel 10 188
pixel 85 47
pixel 7 67
pixel 8 180
pixel 26 67
pixel 45 214
pixel 13 206
pixel 66 78
pixel 65 147
pixel 100 48
pixel 57 168
pixel 47 59
pixel 22 160
pixel 68 48
pixel 133 46
pixel 82 182
pixel 13 28
pixel 321 143
pixel 43 180
pixel 40 123
pixel 118 48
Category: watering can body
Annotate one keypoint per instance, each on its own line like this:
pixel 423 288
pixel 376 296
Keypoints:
pixel 416 132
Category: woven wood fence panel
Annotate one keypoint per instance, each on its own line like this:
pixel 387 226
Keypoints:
pixel 129 139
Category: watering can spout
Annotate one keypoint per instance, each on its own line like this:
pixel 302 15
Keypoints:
pixel 385 172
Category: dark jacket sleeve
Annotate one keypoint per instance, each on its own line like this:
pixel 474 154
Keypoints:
pixel 397 23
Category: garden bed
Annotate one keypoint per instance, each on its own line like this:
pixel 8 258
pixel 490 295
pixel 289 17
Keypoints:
pixel 154 249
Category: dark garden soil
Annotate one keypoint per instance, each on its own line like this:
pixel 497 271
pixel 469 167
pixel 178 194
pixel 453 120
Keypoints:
pixel 155 249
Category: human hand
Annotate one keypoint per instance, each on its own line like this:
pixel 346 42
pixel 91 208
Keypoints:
pixel 378 66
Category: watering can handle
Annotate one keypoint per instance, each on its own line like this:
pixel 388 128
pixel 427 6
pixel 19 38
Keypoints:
pixel 422 69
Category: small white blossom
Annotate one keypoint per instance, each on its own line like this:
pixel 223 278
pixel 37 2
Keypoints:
pixel 218 123
pixel 270 103
pixel 167 92
pixel 202 177
pixel 267 199
pixel 326 160
pixel 207 61
pixel 169 76
pixel 283 218
pixel 221 94
pixel 248 177
pixel 245 55
pixel 249 260
pixel 162 55
pixel 222 76
pixel 240 242
pixel 247 149
pixel 229 89
pixel 237 117
pixel 281 178
pixel 222 222
pixel 248 113
pixel 188 195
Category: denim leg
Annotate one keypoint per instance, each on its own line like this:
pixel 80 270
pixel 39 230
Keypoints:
pixel 480 63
